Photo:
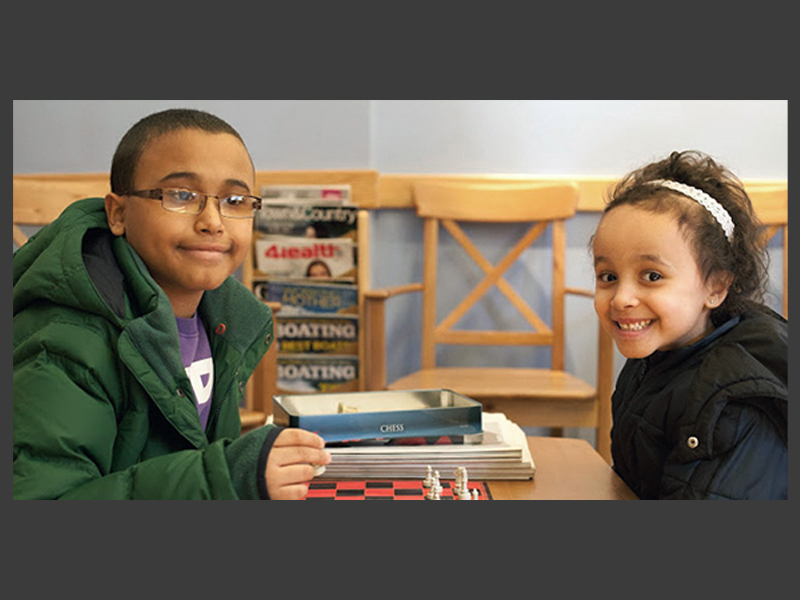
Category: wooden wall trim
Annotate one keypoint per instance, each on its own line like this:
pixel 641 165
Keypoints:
pixel 375 190
pixel 394 190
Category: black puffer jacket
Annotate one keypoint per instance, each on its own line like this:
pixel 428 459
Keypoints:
pixel 708 421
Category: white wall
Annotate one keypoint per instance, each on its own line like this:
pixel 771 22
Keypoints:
pixel 601 137
pixel 81 135
pixel 581 137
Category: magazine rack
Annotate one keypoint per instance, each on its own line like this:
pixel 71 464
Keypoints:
pixel 363 184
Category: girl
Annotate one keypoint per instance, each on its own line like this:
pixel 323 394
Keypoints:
pixel 700 407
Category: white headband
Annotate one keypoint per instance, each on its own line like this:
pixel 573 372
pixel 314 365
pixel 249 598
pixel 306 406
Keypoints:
pixel 715 208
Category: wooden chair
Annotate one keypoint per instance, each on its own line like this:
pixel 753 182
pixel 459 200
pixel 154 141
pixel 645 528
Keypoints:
pixel 771 203
pixel 39 199
pixel 543 397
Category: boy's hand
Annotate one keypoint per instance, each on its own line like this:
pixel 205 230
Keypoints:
pixel 291 461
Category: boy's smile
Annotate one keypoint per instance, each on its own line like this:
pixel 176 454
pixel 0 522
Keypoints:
pixel 187 254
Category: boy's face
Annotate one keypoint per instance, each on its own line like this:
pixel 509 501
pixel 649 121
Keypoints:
pixel 187 254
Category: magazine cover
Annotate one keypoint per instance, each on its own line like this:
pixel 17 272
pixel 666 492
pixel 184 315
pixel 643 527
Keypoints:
pixel 303 297
pixel 317 335
pixel 336 194
pixel 303 373
pixel 293 257
pixel 307 220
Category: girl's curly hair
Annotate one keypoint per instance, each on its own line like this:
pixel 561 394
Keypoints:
pixel 745 257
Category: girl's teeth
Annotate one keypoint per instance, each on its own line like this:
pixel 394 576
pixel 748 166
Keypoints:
pixel 634 326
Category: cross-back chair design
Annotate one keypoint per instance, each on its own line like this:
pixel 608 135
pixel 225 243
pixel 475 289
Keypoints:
pixel 543 397
pixel 40 199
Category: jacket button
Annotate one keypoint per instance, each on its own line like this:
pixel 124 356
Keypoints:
pixel 693 442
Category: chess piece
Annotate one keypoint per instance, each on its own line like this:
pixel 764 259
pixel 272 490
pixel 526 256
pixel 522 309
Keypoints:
pixel 435 491
pixel 428 481
pixel 437 483
pixel 459 481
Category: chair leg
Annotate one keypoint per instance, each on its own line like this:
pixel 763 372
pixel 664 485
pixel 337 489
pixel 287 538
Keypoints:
pixel 557 432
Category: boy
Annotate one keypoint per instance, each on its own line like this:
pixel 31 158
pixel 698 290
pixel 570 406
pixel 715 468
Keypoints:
pixel 133 343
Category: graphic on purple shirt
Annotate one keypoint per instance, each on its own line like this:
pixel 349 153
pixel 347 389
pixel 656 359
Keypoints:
pixel 196 356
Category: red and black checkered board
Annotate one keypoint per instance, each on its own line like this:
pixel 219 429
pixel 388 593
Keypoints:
pixel 384 489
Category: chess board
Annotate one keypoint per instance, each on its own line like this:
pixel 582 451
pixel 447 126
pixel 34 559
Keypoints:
pixel 377 489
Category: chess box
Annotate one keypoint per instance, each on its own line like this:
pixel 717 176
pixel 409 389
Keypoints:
pixel 382 415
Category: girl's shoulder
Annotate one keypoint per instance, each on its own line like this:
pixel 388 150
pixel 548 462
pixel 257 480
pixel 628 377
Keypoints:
pixel 743 370
pixel 764 336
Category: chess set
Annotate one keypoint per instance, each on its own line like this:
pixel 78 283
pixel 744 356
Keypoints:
pixel 382 416
pixel 432 487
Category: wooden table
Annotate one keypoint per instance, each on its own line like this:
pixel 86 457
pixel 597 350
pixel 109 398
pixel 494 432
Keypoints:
pixel 566 469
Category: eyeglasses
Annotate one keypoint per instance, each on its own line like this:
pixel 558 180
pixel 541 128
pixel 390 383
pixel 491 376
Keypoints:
pixel 236 206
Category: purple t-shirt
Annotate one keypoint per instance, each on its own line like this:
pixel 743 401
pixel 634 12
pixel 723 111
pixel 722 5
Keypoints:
pixel 196 355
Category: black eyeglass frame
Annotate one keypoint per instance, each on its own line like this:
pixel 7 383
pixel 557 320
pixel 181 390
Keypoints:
pixel 158 194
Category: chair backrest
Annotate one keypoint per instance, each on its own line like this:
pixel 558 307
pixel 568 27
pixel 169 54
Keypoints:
pixel 39 199
pixel 453 204
pixel 771 203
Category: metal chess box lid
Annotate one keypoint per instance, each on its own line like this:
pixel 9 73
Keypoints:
pixel 383 415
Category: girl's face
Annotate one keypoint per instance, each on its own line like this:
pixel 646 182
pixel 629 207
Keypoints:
pixel 649 293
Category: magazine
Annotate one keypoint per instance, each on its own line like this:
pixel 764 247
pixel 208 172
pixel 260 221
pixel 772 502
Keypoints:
pixel 307 220
pixel 336 194
pixel 310 373
pixel 308 298
pixel 294 257
pixel 502 454
pixel 316 335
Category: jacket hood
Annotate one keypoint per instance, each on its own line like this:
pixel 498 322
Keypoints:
pixel 56 265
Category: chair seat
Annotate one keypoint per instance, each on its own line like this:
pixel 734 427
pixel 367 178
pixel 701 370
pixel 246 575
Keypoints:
pixel 500 382
pixel 562 400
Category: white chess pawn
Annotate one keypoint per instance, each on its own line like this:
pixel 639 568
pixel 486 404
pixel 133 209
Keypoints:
pixel 434 493
pixel 475 494
pixel 436 488
pixel 428 481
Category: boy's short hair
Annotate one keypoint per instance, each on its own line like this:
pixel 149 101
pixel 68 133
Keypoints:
pixel 130 147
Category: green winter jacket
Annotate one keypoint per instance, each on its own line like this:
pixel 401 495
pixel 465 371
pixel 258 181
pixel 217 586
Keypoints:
pixel 102 404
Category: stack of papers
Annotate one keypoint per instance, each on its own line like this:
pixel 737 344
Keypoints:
pixel 503 454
